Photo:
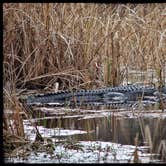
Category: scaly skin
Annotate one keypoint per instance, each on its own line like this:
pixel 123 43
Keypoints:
pixel 104 96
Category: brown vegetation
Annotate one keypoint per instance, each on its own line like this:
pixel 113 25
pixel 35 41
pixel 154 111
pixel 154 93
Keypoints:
pixel 80 44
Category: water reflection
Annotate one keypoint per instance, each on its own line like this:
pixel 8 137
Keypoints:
pixel 112 128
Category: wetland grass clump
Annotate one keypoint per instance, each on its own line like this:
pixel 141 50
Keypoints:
pixel 155 139
pixel 81 45
pixel 13 130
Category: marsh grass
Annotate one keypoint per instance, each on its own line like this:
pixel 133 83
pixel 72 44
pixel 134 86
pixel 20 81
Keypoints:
pixel 81 44
pixel 153 136
pixel 154 139
pixel 13 130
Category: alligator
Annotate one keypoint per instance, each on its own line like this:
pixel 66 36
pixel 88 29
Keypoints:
pixel 113 96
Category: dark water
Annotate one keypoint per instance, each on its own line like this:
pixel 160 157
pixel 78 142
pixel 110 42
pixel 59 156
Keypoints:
pixel 151 131
pixel 113 129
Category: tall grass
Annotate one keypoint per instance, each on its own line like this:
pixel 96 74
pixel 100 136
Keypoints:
pixel 80 44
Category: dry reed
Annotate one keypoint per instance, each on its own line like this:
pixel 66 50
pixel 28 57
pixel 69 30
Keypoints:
pixel 93 41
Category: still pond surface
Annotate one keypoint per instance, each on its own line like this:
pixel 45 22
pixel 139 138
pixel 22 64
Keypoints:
pixel 95 136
